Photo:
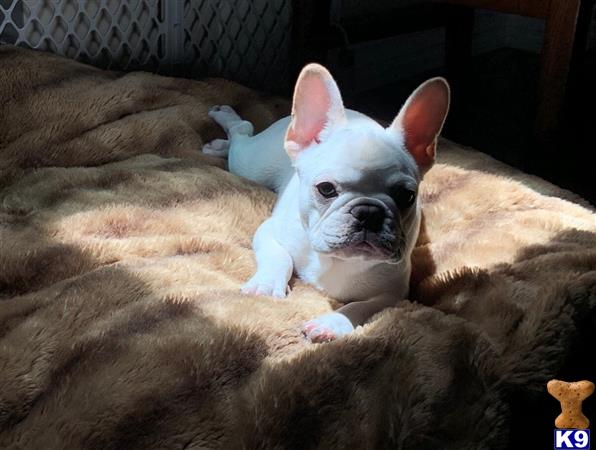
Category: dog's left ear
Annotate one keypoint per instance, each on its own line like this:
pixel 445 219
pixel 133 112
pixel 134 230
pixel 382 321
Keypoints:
pixel 421 119
pixel 317 107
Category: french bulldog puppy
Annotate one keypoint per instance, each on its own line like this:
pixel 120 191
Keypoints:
pixel 348 214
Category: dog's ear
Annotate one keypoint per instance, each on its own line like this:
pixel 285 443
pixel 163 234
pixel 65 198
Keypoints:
pixel 317 107
pixel 421 119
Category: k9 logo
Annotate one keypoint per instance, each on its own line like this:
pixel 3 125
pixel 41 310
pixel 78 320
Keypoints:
pixel 572 439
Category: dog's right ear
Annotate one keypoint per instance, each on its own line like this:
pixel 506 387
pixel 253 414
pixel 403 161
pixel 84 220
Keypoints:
pixel 317 107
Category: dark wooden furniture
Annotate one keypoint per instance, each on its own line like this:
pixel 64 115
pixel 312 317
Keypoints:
pixel 567 24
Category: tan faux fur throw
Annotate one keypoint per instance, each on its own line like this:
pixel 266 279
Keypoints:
pixel 123 250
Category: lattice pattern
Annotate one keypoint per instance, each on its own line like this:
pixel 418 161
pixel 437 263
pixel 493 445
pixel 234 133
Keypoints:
pixel 245 40
pixel 107 33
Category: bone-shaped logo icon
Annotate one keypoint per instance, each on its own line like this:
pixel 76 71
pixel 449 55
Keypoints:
pixel 571 396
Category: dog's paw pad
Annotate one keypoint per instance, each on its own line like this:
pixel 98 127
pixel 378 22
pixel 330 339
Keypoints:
pixel 223 113
pixel 222 108
pixel 327 327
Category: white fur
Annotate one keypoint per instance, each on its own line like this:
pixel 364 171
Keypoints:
pixel 305 231
pixel 261 158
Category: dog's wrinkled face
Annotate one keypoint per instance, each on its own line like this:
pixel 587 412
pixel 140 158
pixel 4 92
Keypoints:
pixel 359 180
pixel 358 193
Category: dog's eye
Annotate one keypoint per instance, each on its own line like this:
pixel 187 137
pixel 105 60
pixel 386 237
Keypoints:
pixel 404 197
pixel 326 189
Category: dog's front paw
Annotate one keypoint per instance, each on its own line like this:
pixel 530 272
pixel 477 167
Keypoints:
pixel 261 285
pixel 327 327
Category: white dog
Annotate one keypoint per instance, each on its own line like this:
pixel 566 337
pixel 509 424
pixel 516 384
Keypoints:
pixel 348 215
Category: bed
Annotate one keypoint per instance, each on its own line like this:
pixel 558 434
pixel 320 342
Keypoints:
pixel 123 249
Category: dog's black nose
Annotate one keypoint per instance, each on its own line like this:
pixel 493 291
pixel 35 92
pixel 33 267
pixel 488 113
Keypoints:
pixel 370 216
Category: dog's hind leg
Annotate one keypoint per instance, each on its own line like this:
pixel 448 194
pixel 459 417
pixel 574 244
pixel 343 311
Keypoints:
pixel 261 157
pixel 217 147
pixel 232 124
pixel 230 121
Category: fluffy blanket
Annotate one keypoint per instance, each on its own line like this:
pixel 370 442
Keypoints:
pixel 123 250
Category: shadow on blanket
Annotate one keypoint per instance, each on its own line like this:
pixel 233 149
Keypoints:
pixel 121 324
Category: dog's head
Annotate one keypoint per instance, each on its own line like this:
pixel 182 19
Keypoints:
pixel 358 180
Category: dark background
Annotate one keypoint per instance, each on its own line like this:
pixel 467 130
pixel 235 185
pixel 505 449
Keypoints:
pixel 497 112
pixel 382 52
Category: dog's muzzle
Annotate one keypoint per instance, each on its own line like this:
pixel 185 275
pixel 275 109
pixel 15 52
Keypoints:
pixel 373 232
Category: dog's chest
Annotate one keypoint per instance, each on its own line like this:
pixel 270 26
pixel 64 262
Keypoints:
pixel 352 280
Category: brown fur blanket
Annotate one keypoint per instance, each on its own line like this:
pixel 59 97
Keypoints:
pixel 123 250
